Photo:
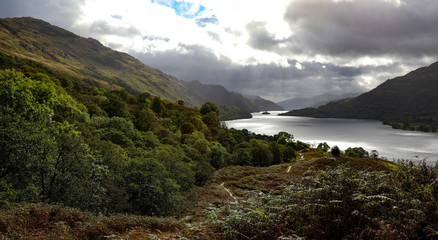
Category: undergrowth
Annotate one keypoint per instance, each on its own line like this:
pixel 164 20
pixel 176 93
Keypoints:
pixel 339 203
pixel 43 221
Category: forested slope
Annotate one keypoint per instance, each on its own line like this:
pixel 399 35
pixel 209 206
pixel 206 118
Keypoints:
pixel 88 60
pixel 65 141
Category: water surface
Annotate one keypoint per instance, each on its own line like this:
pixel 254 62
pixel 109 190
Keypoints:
pixel 369 134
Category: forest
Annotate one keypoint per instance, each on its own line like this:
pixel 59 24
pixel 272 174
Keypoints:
pixel 83 162
pixel 67 142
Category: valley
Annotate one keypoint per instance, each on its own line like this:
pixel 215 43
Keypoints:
pixel 97 145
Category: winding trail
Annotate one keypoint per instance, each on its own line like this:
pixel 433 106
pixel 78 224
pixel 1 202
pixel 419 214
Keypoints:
pixel 301 158
pixel 231 195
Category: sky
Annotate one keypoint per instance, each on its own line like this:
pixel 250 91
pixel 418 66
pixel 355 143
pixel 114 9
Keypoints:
pixel 275 49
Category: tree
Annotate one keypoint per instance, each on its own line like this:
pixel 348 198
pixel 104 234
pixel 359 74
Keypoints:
pixel 157 105
pixel 374 154
pixel 261 156
pixel 187 128
pixel 218 155
pixel 151 190
pixel 284 137
pixel 209 107
pixel 242 157
pixel 115 106
pixel 324 147
pixel 42 159
pixel 356 152
pixel 335 151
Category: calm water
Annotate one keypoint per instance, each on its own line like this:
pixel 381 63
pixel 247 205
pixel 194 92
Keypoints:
pixel 369 134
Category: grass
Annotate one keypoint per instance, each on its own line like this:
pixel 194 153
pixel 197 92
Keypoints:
pixel 273 178
pixel 340 202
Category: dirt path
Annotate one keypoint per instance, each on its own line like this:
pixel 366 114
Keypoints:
pixel 231 195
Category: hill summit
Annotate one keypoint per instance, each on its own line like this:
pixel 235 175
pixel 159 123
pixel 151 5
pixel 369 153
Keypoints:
pixel 407 102
pixel 88 59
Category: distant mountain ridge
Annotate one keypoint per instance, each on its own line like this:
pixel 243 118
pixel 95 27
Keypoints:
pixel 298 103
pixel 407 102
pixel 88 59
pixel 219 95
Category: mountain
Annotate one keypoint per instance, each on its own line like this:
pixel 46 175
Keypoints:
pixel 221 96
pixel 297 103
pixel 88 59
pixel 408 102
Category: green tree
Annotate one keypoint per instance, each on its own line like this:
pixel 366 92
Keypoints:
pixel 356 152
pixel 146 120
pixel 42 159
pixel 209 107
pixel 284 138
pixel 157 105
pixel 218 156
pixel 203 172
pixel 374 154
pixel 260 154
pixel 151 190
pixel 323 146
pixel 187 128
pixel 335 151
pixel 241 156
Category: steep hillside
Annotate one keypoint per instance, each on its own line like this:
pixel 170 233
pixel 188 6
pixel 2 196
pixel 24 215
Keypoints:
pixel 89 60
pixel 86 58
pixel 408 102
pixel 297 103
pixel 221 96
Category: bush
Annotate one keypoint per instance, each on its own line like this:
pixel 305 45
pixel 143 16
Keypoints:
pixel 340 203
pixel 335 151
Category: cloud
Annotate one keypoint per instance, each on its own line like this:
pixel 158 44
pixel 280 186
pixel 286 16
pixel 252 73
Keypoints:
pixel 277 49
pixel 365 27
pixel 61 13
pixel 259 38
pixel 268 80
pixel 202 22
pixel 101 27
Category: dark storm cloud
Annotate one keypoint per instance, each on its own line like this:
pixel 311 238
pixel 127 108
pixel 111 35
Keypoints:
pixel 365 27
pixel 61 13
pixel 342 31
pixel 261 39
pixel 268 80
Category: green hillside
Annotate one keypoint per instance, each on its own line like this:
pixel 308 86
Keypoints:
pixel 408 102
pixel 86 58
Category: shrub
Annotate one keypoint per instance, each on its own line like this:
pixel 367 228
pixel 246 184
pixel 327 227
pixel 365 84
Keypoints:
pixel 340 203
pixel 335 151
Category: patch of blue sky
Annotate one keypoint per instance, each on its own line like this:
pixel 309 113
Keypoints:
pixel 182 8
pixel 117 17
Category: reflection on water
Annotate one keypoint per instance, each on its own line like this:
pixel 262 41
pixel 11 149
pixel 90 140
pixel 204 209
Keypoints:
pixel 369 134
